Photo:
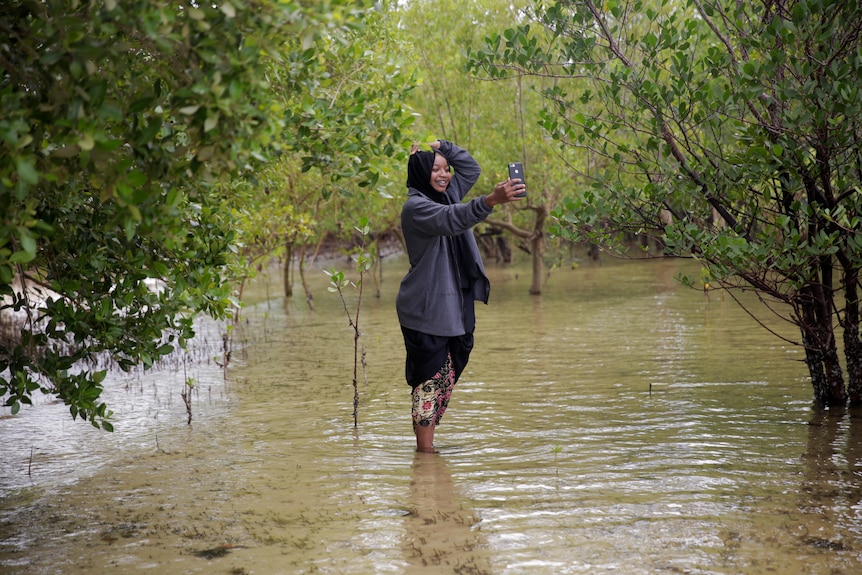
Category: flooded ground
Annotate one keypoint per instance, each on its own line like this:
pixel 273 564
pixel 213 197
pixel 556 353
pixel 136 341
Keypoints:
pixel 621 423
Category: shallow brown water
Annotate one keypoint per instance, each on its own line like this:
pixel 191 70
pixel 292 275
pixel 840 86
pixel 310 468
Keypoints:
pixel 618 424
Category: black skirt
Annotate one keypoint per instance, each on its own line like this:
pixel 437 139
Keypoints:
pixel 427 353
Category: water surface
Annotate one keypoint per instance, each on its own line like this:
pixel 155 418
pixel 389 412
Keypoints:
pixel 621 423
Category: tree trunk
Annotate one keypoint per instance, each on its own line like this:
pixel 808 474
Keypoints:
pixel 309 297
pixel 852 344
pixel 821 351
pixel 537 247
pixel 534 239
pixel 288 270
pixel 504 252
pixel 487 245
pixel 376 271
pixel 379 263
pixel 826 381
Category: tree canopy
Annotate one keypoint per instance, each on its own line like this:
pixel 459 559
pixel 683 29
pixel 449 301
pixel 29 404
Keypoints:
pixel 124 127
pixel 728 129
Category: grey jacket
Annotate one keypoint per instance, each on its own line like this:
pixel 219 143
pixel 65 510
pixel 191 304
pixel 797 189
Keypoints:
pixel 430 297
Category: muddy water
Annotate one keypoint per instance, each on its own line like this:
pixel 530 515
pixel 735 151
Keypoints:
pixel 619 424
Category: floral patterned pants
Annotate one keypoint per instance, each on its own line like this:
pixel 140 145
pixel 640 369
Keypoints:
pixel 431 397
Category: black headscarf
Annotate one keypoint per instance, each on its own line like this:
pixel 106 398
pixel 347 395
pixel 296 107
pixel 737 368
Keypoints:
pixel 419 168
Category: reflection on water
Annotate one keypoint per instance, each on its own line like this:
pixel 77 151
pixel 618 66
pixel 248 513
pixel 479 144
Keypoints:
pixel 618 424
pixel 831 493
pixel 439 534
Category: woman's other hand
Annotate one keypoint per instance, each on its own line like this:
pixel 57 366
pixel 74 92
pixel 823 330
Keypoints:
pixel 417 146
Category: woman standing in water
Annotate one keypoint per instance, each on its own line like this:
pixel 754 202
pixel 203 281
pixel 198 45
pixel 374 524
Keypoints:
pixel 435 301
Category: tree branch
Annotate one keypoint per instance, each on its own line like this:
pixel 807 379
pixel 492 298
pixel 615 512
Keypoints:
pixel 612 44
pixel 510 227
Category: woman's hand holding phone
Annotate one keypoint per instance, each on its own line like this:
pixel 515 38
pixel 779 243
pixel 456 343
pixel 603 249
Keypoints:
pixel 516 172
pixel 509 190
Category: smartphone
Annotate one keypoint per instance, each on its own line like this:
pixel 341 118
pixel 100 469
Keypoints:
pixel 516 170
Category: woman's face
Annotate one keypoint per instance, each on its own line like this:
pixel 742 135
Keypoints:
pixel 440 175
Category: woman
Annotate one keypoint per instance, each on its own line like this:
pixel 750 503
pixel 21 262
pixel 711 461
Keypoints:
pixel 446 276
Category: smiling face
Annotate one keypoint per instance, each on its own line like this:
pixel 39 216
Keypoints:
pixel 440 175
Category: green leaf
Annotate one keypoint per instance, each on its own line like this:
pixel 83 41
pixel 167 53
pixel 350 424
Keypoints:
pixel 22 257
pixel 136 178
pixel 26 171
pixel 650 40
pixel 6 274
pixel 211 122
pixel 87 142
pixel 227 9
pixel 28 242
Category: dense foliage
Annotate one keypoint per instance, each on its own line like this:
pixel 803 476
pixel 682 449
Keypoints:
pixel 122 125
pixel 731 130
pixel 346 133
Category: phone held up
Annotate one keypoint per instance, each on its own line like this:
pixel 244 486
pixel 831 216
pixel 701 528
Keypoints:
pixel 516 170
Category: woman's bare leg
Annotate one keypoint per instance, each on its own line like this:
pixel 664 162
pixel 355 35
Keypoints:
pixel 424 438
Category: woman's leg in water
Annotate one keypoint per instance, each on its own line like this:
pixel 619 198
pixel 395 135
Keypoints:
pixel 430 400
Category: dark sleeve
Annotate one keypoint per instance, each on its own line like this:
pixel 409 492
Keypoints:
pixel 433 219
